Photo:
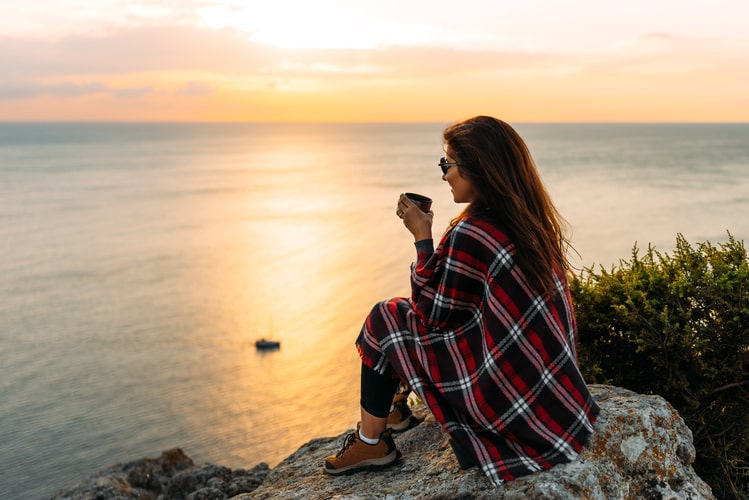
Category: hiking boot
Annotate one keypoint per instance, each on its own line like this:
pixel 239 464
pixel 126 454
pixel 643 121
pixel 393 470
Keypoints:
pixel 357 455
pixel 399 418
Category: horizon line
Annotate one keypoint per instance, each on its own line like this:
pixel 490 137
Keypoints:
pixel 378 122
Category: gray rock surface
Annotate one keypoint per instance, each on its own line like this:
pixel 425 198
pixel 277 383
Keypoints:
pixel 641 448
pixel 171 476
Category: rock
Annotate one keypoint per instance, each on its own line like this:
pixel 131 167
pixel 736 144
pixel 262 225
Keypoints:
pixel 171 476
pixel 641 448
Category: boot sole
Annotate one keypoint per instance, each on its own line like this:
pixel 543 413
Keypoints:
pixel 406 424
pixel 371 464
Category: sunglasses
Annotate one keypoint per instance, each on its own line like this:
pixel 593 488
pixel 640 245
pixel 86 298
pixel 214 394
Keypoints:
pixel 445 165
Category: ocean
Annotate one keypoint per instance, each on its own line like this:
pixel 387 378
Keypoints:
pixel 140 262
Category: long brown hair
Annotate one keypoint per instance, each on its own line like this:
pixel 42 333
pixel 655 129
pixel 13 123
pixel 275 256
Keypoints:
pixel 497 162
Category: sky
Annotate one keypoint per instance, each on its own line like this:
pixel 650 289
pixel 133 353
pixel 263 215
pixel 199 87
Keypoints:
pixel 374 60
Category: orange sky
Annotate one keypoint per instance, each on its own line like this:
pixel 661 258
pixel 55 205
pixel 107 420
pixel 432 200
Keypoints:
pixel 339 60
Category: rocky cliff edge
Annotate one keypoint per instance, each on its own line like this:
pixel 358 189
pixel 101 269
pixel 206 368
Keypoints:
pixel 641 448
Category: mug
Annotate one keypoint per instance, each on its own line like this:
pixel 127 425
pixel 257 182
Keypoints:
pixel 421 201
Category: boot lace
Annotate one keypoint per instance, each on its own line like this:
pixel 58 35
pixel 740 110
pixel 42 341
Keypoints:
pixel 347 442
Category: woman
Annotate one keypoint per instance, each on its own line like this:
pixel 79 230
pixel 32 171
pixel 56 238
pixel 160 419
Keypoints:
pixel 487 338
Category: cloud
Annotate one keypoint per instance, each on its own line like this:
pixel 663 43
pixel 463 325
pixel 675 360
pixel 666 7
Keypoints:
pixel 228 52
pixel 202 57
pixel 31 89
pixel 195 89
pixel 130 92
pixel 132 50
pixel 656 35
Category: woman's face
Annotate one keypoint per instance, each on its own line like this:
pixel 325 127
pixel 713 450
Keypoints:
pixel 462 189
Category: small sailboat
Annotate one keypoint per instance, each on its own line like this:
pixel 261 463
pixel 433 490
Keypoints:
pixel 266 344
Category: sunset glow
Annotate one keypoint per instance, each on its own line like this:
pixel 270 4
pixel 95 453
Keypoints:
pixel 374 61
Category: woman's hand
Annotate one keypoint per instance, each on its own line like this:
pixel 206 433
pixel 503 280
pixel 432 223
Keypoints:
pixel 417 222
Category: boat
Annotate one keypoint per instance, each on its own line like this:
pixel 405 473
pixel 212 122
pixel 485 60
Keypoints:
pixel 266 344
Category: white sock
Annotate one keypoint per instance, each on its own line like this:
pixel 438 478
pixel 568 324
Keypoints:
pixel 368 440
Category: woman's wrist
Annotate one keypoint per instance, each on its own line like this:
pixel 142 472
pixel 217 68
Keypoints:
pixel 422 235
pixel 425 245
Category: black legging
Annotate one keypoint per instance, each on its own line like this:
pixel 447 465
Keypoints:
pixel 377 391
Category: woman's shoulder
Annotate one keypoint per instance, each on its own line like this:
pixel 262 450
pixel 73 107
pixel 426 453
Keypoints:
pixel 483 229
pixel 482 224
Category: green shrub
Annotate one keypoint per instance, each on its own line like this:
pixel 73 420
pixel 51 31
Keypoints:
pixel 678 326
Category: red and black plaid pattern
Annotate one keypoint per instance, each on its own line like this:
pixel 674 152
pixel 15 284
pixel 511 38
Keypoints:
pixel 492 359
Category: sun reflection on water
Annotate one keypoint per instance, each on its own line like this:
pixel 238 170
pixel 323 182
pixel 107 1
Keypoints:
pixel 298 265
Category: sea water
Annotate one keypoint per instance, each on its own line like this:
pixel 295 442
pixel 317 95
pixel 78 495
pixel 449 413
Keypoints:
pixel 140 262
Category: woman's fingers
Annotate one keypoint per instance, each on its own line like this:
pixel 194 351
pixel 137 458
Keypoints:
pixel 403 204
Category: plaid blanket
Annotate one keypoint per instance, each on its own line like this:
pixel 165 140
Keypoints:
pixel 493 360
